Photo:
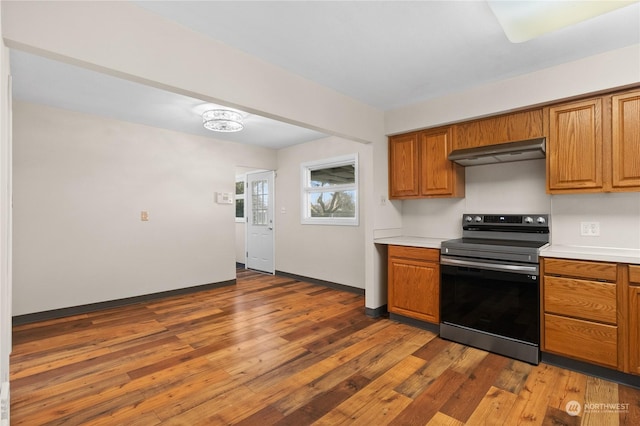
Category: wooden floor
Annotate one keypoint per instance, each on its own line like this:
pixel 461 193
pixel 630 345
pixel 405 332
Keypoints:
pixel 272 350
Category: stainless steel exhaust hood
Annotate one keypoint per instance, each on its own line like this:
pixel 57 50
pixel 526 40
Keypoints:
pixel 502 153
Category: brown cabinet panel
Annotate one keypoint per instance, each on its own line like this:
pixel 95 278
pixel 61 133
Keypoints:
pixel 634 274
pixel 634 329
pixel 439 176
pixel 575 146
pixel 583 340
pixel 625 141
pixel 414 283
pixel 500 129
pixel 580 299
pixel 404 172
pixel 581 269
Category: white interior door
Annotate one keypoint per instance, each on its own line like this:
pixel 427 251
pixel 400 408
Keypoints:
pixel 260 237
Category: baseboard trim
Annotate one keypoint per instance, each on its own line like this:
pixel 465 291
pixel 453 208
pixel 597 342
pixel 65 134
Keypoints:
pixel 434 328
pixel 324 283
pixel 592 370
pixel 92 307
pixel 376 312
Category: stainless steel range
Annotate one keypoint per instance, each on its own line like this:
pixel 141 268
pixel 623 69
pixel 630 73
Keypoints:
pixel 490 284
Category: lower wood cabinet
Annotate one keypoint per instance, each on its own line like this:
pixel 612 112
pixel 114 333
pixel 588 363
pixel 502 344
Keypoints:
pixel 580 311
pixel 414 282
pixel 634 318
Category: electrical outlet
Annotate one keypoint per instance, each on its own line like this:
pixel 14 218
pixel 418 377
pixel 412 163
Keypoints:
pixel 590 229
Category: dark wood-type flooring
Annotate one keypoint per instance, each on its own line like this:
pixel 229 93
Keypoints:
pixel 275 351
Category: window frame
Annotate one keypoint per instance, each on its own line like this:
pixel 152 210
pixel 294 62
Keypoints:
pixel 305 177
pixel 243 197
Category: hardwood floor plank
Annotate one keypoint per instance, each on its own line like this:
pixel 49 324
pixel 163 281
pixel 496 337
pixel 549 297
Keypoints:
pixel 428 403
pixel 594 410
pixel 531 404
pixel 493 408
pixel 479 380
pixel 631 398
pixel 513 377
pixel 325 401
pixel 274 350
pixel 374 398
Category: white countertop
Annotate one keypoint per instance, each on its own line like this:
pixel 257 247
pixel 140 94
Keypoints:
pixel 411 241
pixel 603 254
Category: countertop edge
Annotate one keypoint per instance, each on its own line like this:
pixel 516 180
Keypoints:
pixel 601 254
pixel 408 241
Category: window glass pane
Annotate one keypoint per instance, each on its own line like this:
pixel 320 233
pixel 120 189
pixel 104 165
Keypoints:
pixel 240 208
pixel 332 204
pixel 259 202
pixel 339 175
pixel 239 188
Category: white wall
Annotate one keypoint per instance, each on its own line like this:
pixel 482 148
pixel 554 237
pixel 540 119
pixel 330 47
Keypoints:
pixel 331 253
pixel 80 183
pixel 618 214
pixel 5 214
pixel 616 68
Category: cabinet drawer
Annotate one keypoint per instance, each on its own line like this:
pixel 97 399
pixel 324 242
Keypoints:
pixel 581 269
pixel 634 274
pixel 588 300
pixel 418 253
pixel 584 340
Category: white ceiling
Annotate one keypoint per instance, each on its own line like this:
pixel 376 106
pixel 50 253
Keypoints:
pixel 386 54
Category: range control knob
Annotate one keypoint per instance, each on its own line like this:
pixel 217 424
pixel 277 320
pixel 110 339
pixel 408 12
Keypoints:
pixel 541 220
pixel 468 219
pixel 478 219
pixel 528 219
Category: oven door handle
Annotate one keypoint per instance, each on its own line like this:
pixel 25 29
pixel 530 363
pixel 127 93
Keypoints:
pixel 521 269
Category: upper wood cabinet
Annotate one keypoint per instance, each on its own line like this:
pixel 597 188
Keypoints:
pixel 593 145
pixel 505 128
pixel 404 172
pixel 419 168
pixel 574 146
pixel 625 141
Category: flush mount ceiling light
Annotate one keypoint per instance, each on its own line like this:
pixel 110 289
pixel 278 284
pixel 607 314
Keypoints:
pixel 222 120
pixel 525 20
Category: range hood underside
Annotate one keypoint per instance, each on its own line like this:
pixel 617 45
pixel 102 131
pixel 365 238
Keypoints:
pixel 532 149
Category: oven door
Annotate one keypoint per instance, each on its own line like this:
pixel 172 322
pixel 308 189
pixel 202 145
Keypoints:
pixel 496 298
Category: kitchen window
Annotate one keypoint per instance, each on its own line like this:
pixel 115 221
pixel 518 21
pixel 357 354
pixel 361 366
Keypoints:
pixel 240 185
pixel 330 191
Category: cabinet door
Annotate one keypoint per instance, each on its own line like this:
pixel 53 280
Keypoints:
pixel 634 329
pixel 414 288
pixel 438 175
pixel 404 169
pixel 625 149
pixel 575 147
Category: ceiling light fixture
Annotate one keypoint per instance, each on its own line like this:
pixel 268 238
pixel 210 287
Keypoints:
pixel 526 20
pixel 222 120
